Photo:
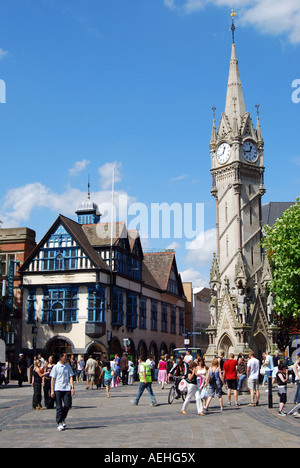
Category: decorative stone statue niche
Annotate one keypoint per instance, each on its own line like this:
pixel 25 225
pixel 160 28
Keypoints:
pixel 241 307
pixel 270 308
pixel 213 306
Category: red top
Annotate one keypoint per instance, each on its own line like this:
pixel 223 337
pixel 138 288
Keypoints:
pixel 230 369
pixel 162 365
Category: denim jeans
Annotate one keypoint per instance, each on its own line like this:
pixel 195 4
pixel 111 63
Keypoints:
pixel 297 396
pixel 142 387
pixel 240 381
pixel 63 404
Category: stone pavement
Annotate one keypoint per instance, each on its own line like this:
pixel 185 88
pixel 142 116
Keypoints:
pixel 95 421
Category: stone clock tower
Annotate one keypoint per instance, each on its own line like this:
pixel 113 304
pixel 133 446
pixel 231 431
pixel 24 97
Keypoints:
pixel 239 273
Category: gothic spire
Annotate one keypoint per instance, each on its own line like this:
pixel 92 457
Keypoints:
pixel 235 104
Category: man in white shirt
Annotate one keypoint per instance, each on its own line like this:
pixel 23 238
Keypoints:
pixel 253 367
pixel 62 389
pixel 188 357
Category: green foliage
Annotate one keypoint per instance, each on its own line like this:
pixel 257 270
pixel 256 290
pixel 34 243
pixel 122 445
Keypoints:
pixel 282 244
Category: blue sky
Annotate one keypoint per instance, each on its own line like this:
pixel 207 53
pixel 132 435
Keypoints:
pixel 133 82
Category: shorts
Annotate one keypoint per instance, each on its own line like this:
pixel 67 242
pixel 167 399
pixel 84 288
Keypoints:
pixel 232 384
pixel 215 390
pixel 282 394
pixel 253 384
pixel 90 377
pixel 107 382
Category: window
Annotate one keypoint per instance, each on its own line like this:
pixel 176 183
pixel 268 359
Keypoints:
pixel 153 316
pixel 62 259
pixel 143 314
pixel 4 263
pixel 164 318
pixel 60 306
pixel 131 312
pixel 181 322
pixel 173 320
pixel 117 308
pixel 96 305
pixel 31 307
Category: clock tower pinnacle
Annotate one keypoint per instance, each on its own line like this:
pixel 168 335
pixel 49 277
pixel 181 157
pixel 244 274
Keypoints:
pixel 237 170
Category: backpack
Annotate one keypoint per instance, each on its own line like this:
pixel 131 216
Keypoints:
pixel 212 379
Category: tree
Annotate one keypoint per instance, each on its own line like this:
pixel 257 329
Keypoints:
pixel 282 244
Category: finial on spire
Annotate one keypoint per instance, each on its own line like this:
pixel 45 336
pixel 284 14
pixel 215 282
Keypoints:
pixel 257 110
pixel 233 26
pixel 214 113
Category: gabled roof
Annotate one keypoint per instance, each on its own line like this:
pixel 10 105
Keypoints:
pixel 274 210
pixel 75 230
pixel 100 235
pixel 135 241
pixel 159 265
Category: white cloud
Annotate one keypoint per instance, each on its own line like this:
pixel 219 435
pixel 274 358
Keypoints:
pixel 179 178
pixel 201 250
pixel 173 246
pixel 106 174
pixel 273 17
pixel 3 53
pixel 192 276
pixel 22 202
pixel 78 167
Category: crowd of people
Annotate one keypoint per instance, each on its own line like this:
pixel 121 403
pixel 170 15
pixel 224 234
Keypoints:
pixel 223 378
pixel 204 383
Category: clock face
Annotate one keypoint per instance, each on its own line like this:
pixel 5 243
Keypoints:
pixel 223 153
pixel 250 151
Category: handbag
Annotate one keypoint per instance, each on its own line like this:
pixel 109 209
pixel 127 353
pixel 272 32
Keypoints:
pixel 262 371
pixel 183 385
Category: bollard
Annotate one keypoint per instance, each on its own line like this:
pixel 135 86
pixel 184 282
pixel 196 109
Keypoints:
pixel 270 391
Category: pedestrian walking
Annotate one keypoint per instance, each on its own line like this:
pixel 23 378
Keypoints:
pixel 268 366
pixel 131 373
pixel 253 367
pixel 3 374
pixel 150 361
pixel 49 401
pixel 296 369
pixel 282 379
pixel 124 368
pixel 215 383
pixel 22 370
pixel 193 390
pixel 80 369
pixel 108 377
pixel 62 389
pixel 90 372
pixel 145 377
pixel 241 372
pixel 230 376
pixel 162 372
pixel 202 381
pixel 37 380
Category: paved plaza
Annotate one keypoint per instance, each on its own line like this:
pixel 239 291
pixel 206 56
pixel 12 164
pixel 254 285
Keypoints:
pixel 95 421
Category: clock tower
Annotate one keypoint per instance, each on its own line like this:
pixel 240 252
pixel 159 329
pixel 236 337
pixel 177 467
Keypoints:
pixel 237 307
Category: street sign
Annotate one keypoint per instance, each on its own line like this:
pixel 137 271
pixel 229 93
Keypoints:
pixel 2 352
pixel 10 285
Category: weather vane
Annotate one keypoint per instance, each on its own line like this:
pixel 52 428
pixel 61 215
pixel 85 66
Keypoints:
pixel 233 26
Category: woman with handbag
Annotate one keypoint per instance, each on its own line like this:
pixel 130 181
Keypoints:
pixel 192 388
pixel 215 383
pixel 202 382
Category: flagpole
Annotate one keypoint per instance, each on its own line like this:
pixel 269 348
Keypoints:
pixel 112 211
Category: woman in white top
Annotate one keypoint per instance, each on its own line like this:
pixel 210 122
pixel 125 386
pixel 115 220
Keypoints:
pixel 296 369
pixel 202 382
